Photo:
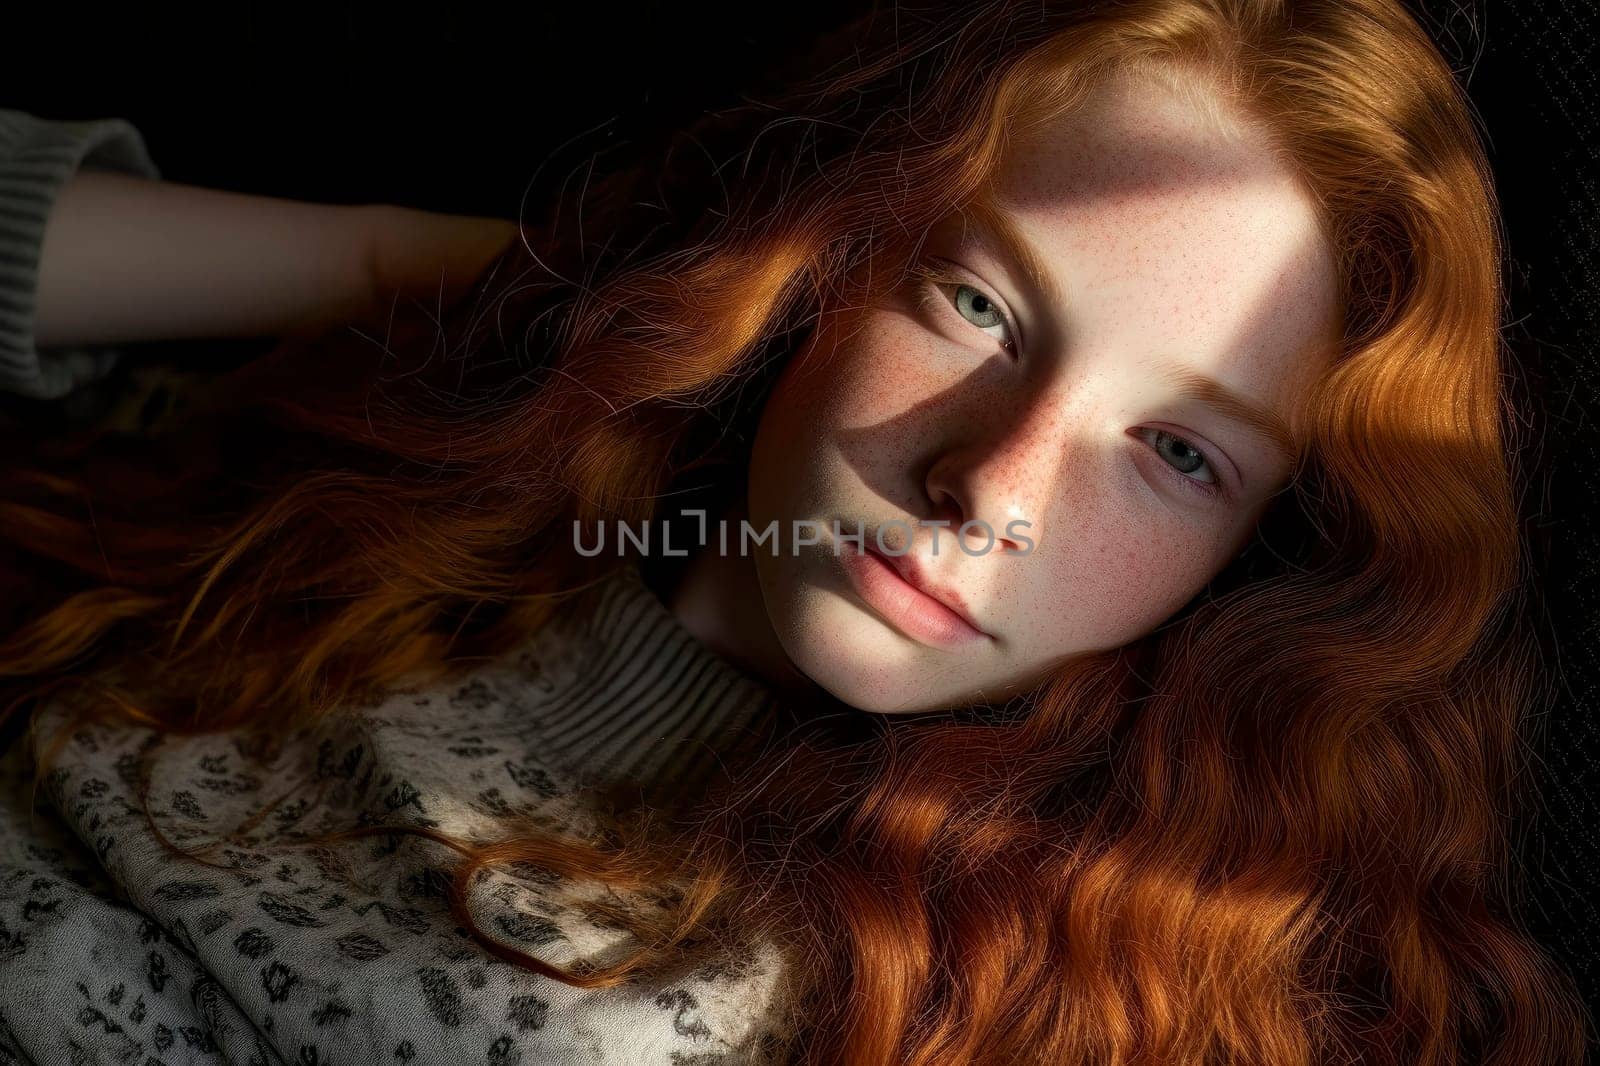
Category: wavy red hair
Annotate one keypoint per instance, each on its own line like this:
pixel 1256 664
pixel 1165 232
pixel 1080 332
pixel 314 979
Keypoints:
pixel 1272 831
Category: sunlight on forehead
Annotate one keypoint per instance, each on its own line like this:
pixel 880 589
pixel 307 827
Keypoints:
pixel 1141 230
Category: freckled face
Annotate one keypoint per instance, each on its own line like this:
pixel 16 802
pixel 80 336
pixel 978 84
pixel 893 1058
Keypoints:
pixel 1175 249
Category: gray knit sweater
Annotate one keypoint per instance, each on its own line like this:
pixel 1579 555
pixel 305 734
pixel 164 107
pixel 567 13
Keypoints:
pixel 37 158
pixel 112 950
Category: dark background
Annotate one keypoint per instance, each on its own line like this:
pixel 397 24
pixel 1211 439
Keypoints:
pixel 470 106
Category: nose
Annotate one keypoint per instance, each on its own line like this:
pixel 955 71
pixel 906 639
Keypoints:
pixel 1004 477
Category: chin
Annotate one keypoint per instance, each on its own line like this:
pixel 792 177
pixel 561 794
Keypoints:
pixel 858 659
pixel 850 657
pixel 847 650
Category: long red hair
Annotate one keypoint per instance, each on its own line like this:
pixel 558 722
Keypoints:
pixel 1272 831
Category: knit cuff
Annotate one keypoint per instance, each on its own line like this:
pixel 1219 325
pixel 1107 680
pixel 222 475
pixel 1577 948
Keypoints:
pixel 38 157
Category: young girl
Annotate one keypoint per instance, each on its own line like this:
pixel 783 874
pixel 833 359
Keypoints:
pixel 1067 610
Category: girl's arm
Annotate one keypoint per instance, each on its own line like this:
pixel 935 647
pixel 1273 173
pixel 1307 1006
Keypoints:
pixel 126 258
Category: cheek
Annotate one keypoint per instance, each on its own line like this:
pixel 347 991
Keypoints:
pixel 1121 572
pixel 1155 569
pixel 840 382
pixel 861 372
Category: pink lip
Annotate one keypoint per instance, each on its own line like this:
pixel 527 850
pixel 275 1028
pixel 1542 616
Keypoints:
pixel 892 586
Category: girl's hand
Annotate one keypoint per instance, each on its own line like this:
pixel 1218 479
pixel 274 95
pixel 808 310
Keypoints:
pixel 427 256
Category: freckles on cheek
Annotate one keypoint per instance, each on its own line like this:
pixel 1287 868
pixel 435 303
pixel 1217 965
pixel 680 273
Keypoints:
pixel 1125 579
pixel 1165 570
pixel 881 371
pixel 1123 574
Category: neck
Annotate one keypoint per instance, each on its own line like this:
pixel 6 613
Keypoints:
pixel 717 598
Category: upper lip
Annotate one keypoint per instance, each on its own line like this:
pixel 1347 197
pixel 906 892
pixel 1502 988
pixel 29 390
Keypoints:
pixel 910 570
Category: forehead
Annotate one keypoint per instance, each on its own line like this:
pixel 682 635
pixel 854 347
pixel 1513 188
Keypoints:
pixel 1165 214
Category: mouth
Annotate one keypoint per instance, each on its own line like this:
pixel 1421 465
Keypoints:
pixel 895 589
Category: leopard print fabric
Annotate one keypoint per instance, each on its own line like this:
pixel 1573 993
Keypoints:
pixel 113 950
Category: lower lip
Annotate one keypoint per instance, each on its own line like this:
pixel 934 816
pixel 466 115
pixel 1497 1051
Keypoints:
pixel 907 608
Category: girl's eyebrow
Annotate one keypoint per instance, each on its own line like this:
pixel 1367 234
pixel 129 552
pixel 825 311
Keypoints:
pixel 994 225
pixel 1260 420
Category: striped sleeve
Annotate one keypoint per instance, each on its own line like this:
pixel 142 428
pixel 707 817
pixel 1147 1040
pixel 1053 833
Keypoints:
pixel 37 158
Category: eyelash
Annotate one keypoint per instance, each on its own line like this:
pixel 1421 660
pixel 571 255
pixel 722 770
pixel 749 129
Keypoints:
pixel 940 281
pixel 1209 489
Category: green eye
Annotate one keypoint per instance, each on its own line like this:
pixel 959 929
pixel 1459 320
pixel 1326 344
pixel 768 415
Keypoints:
pixel 977 308
pixel 982 312
pixel 1183 461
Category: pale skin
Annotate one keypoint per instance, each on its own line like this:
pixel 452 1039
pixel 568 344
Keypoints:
pixel 1170 244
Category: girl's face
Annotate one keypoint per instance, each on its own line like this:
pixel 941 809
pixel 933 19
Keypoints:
pixel 1102 374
